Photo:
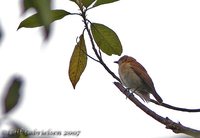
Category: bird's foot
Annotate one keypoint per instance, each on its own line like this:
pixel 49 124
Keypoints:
pixel 129 93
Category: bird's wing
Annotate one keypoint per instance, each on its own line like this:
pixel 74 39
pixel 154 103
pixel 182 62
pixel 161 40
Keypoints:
pixel 142 73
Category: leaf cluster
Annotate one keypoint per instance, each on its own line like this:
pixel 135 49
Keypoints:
pixel 105 38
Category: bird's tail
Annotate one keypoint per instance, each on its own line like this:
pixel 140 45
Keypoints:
pixel 157 97
pixel 145 96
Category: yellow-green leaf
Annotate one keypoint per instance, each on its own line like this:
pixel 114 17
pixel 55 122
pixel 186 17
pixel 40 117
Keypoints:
pixel 34 20
pixel 100 2
pixel 106 39
pixel 12 94
pixel 78 61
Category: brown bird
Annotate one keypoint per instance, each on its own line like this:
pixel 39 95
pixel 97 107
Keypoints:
pixel 135 77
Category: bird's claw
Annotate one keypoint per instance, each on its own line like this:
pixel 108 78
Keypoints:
pixel 129 93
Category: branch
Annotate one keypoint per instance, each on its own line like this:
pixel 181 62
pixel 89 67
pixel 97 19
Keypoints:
pixel 175 127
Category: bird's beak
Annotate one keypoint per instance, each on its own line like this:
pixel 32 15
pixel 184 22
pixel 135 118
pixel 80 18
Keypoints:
pixel 116 62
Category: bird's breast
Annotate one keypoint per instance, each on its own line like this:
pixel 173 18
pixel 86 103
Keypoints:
pixel 128 77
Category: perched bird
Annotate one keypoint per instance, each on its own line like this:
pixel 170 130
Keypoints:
pixel 135 77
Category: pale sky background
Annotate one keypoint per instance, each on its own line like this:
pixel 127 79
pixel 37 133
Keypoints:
pixel 163 35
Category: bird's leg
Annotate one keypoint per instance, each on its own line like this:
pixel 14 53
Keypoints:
pixel 128 89
pixel 131 91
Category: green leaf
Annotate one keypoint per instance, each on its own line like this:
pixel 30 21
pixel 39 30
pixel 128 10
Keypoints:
pixel 27 4
pixel 106 39
pixel 79 4
pixel 34 20
pixel 12 95
pixel 100 2
pixel 1 33
pixel 87 3
pixel 78 61
pixel 36 4
pixel 43 8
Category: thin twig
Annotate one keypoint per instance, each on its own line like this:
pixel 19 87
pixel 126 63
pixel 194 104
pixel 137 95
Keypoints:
pixel 174 107
pixel 75 14
pixel 89 56
pixel 100 53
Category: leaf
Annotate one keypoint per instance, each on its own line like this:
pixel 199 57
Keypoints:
pixel 1 34
pixel 43 8
pixel 26 4
pixel 101 2
pixel 12 95
pixel 78 61
pixel 87 3
pixel 106 39
pixel 39 5
pixel 34 20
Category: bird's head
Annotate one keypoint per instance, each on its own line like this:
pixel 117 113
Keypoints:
pixel 125 58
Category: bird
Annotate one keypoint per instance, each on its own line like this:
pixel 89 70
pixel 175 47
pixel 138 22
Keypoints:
pixel 135 78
